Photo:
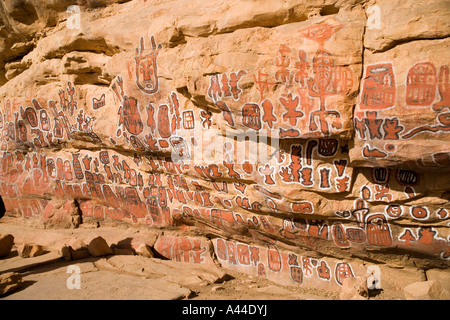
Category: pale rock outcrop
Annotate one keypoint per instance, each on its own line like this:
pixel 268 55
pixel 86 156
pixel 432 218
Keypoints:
pixel 29 250
pixel 6 244
pixel 354 289
pixel 99 247
pixel 425 290
pixel 145 250
pixel 137 113
pixel 9 282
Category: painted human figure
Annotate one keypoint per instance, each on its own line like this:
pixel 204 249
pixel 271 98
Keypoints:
pixel 283 74
pixel 164 128
pixel 301 67
pixel 22 130
pixel 45 120
pixel 131 115
pixel 72 104
pixel 77 166
pixel 31 116
pixel 146 67
pixel 318 87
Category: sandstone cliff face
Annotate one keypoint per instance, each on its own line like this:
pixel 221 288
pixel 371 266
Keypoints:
pixel 139 112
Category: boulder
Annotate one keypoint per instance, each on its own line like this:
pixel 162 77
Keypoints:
pixel 425 290
pixel 354 289
pixel 6 243
pixel 65 252
pixel 78 250
pixel 176 272
pixel 29 250
pixel 196 250
pixel 145 251
pixel 99 247
pixel 161 124
pixel 123 247
pixel 442 276
pixel 411 20
pixel 9 282
pixel 122 251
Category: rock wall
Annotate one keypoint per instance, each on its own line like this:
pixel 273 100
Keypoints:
pixel 307 140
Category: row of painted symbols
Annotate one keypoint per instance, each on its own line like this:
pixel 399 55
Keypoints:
pixel 425 88
pixel 422 80
pixel 313 81
pixel 269 262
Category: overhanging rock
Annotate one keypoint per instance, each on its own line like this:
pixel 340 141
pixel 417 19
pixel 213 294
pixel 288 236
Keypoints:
pixel 303 141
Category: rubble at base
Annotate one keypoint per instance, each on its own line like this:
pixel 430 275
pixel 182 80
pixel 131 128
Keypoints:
pixel 305 143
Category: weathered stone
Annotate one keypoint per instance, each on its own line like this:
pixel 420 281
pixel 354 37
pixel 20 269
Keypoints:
pixel 285 266
pixel 425 290
pixel 145 251
pixel 9 282
pixel 30 250
pixel 65 252
pixel 440 276
pixel 99 247
pixel 78 249
pixel 197 250
pixel 317 127
pixel 180 273
pixel 79 254
pixel 6 243
pixel 387 121
pixel 122 251
pixel 393 22
pixel 354 289
pixel 124 247
pixel 16 263
pixel 78 244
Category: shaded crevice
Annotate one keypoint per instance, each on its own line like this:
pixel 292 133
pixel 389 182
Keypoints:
pixel 250 24
pixel 199 100
pixel 177 39
pixel 79 212
pixel 84 45
pixel 400 42
pixel 20 52
pixel 329 10
pixel 264 20
pixel 24 12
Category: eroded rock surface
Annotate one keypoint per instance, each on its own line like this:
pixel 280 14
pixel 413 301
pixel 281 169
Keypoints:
pixel 137 113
